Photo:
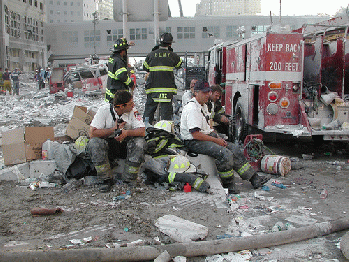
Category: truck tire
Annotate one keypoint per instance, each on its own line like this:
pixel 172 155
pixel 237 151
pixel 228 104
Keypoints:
pixel 240 127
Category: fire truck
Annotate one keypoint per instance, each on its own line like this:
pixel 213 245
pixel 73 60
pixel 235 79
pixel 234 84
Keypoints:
pixel 290 83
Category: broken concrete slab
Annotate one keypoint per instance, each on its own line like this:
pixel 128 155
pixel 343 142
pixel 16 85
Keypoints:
pixel 207 164
pixel 39 168
pixel 34 169
pixel 181 230
pixel 344 245
pixel 15 173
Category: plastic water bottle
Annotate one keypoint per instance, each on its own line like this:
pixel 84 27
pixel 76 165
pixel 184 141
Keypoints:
pixel 47 148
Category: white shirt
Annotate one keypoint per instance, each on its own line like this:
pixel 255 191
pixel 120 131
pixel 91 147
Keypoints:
pixel 103 119
pixel 193 116
pixel 186 97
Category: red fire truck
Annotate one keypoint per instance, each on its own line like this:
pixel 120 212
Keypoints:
pixel 293 83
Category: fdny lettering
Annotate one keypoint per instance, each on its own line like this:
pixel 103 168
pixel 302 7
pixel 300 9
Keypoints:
pixel 279 47
pixel 162 54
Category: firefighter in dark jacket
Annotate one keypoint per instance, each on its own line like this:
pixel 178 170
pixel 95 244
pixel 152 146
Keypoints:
pixel 220 122
pixel 160 85
pixel 118 77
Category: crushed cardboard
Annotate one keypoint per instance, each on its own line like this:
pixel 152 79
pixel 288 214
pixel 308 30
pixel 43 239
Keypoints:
pixel 24 144
pixel 79 125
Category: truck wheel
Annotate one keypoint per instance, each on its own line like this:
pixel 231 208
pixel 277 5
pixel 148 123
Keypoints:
pixel 240 128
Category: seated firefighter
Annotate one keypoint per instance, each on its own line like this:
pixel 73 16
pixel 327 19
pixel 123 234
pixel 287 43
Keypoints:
pixel 220 122
pixel 116 132
pixel 200 138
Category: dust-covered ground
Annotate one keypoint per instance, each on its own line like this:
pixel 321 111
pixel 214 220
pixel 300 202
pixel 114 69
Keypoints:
pixel 128 213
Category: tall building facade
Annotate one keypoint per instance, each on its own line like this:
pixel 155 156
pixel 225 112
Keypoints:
pixel 228 7
pixel 22 34
pixel 68 11
pixel 105 9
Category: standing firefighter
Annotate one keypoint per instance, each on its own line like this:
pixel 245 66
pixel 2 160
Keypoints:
pixel 116 132
pixel 118 78
pixel 200 138
pixel 160 85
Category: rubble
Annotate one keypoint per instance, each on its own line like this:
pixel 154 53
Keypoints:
pixel 127 215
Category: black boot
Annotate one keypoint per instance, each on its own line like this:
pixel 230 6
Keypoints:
pixel 106 186
pixel 232 190
pixel 258 181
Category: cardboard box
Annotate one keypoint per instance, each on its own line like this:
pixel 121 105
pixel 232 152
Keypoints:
pixel 79 125
pixel 24 144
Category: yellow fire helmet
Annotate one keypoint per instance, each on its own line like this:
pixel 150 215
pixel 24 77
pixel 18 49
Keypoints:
pixel 165 125
pixel 181 164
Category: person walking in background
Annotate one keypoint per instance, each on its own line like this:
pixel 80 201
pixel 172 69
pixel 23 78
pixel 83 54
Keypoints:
pixel 7 81
pixel 2 82
pixel 15 79
pixel 160 85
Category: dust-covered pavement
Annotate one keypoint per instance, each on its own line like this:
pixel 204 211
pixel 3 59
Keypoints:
pixel 128 214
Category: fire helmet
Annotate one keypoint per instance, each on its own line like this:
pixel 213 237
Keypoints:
pixel 180 164
pixel 166 125
pixel 121 44
pixel 166 38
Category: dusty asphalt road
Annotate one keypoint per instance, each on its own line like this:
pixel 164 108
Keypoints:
pixel 94 219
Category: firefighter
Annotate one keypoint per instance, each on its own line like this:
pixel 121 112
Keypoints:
pixel 200 138
pixel 118 78
pixel 160 85
pixel 117 132
pixel 220 122
pixel 189 94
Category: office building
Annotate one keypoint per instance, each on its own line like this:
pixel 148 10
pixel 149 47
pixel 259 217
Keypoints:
pixel 228 7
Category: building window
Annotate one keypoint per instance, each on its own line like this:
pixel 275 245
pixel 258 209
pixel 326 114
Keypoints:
pixel 65 3
pixel 138 33
pixel 231 31
pixel 31 2
pixel 36 3
pixel 51 12
pixel 258 29
pixel 65 12
pixel 70 36
pixel 90 39
pixel 58 3
pixel 71 3
pixel 210 31
pixel 168 29
pixel 185 32
pixel 51 2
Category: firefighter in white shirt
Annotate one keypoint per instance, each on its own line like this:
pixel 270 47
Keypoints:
pixel 117 131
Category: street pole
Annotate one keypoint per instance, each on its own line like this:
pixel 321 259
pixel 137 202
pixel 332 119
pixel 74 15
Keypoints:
pixel 124 19
pixel 95 21
pixel 156 20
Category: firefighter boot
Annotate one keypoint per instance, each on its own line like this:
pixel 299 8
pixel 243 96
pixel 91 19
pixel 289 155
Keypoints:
pixel 258 181
pixel 104 172
pixel 130 173
pixel 230 184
